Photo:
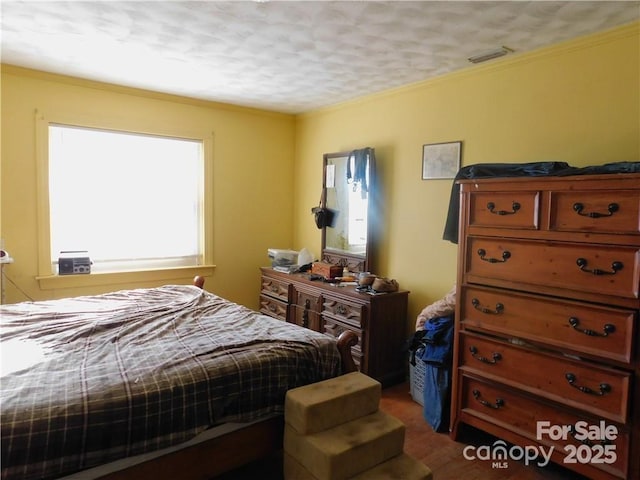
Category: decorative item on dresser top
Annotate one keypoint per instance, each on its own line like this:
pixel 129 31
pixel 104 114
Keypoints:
pixel 379 320
pixel 546 352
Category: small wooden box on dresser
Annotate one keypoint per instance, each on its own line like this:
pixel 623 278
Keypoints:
pixel 547 336
pixel 379 320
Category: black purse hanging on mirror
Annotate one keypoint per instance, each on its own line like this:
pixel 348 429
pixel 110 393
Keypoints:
pixel 323 216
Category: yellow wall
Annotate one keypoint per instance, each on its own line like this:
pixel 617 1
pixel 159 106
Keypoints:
pixel 253 155
pixel 577 102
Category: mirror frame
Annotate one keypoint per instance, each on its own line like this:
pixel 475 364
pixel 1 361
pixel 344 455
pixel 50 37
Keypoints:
pixel 354 262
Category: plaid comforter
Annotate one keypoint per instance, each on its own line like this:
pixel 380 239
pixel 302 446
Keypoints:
pixel 91 379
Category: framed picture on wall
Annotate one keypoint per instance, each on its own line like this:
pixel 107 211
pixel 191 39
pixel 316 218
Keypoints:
pixel 441 160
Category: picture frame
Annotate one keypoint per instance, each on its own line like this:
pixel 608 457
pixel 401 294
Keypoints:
pixel 441 160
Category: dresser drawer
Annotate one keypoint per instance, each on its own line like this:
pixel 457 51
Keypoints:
pixel 504 209
pixel 601 269
pixel 272 307
pixel 601 391
pixel 592 329
pixel 520 414
pixel 335 329
pixel 343 311
pixel 275 288
pixel 613 211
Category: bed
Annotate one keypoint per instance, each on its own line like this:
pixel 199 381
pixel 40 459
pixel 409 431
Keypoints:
pixel 97 380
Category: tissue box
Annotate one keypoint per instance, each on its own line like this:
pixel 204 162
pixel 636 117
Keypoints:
pixel 280 258
pixel 326 270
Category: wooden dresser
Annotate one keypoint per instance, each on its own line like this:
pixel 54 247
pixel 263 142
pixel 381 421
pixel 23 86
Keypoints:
pixel 378 320
pixel 547 319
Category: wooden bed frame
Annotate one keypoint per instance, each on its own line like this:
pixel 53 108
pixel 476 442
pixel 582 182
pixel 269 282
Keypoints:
pixel 218 455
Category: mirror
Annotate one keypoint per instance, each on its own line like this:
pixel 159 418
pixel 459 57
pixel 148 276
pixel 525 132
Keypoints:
pixel 347 191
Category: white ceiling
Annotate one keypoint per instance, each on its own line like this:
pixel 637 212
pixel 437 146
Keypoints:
pixel 290 56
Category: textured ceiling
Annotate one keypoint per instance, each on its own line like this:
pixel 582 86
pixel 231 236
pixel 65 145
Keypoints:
pixel 284 56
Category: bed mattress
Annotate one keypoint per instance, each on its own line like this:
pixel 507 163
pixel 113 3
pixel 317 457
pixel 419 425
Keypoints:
pixel 92 379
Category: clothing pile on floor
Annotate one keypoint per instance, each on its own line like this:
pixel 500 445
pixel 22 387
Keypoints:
pixel 433 344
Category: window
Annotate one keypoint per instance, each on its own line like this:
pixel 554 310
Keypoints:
pixel 134 201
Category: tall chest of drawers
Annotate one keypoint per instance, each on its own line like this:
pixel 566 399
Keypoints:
pixel 378 320
pixel 546 350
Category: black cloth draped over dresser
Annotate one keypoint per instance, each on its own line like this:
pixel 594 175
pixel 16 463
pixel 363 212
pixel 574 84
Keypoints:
pixel 533 169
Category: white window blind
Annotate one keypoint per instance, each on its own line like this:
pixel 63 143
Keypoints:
pixel 133 201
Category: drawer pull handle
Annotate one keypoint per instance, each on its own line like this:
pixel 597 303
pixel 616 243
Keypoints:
pixel 499 402
pixel 607 329
pixel 476 304
pixel 495 358
pixel 611 209
pixel 515 206
pixel 505 256
pixel 604 387
pixel 274 288
pixel 342 310
pixel 615 267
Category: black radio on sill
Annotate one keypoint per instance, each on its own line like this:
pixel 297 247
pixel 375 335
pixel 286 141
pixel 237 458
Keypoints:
pixel 73 262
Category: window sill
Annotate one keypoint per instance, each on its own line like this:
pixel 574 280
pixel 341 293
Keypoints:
pixel 51 282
